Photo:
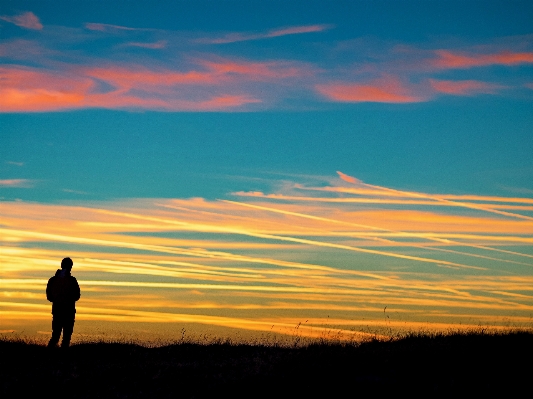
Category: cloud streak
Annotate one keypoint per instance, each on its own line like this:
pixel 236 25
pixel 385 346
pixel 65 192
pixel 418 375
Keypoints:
pixel 447 59
pixel 18 183
pixel 241 37
pixel 109 27
pixel 463 88
pixel 160 44
pixel 27 20
pixel 385 90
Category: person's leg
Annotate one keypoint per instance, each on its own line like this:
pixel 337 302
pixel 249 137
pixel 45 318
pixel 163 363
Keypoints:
pixel 68 328
pixel 56 331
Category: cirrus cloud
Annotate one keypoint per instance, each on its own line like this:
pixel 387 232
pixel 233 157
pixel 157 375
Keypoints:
pixel 26 20
pixel 383 90
pixel 463 87
pixel 160 44
pixel 109 28
pixel 447 59
pixel 241 37
pixel 33 90
pixel 16 183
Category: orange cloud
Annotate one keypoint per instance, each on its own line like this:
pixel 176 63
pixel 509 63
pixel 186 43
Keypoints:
pixel 26 89
pixel 462 87
pixel 386 90
pixel 240 37
pixel 214 73
pixel 214 84
pixel 453 60
pixel 349 179
pixel 26 20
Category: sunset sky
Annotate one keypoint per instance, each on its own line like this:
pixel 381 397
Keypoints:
pixel 251 168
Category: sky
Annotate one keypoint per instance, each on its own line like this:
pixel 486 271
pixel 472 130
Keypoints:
pixel 265 169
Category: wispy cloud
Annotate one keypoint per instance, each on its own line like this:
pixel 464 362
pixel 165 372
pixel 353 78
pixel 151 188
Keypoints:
pixel 26 20
pixel 449 59
pixel 210 83
pixel 20 183
pixel 349 179
pixel 160 44
pixel 383 90
pixel 15 163
pixel 463 87
pixel 31 90
pixel 67 190
pixel 109 27
pixel 240 37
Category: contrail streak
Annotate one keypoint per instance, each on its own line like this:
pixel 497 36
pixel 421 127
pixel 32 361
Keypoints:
pixel 446 241
pixel 448 202
pixel 355 181
pixel 197 253
pixel 207 228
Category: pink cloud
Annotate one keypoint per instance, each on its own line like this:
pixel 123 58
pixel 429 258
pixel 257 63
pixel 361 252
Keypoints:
pixel 241 37
pixel 19 183
pixel 211 73
pixel 126 78
pixel 454 60
pixel 385 90
pixel 462 87
pixel 25 89
pixel 26 20
pixel 254 70
pixel 31 90
pixel 213 103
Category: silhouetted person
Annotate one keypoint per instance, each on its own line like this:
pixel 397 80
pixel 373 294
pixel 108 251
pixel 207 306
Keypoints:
pixel 63 291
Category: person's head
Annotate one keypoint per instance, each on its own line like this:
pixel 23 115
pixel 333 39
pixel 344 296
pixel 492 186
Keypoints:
pixel 66 264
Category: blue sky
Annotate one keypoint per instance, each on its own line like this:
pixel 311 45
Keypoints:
pixel 478 137
pixel 130 109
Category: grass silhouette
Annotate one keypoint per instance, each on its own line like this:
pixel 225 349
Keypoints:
pixel 418 364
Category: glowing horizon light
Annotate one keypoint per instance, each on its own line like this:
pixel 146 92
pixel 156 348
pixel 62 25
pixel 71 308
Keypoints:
pixel 300 170
pixel 149 263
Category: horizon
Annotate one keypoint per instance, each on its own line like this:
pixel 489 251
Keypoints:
pixel 245 168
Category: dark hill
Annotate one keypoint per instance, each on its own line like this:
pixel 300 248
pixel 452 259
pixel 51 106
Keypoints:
pixel 418 365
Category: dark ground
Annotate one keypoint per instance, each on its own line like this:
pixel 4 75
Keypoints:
pixel 420 365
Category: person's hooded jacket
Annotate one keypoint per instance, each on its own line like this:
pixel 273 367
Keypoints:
pixel 63 291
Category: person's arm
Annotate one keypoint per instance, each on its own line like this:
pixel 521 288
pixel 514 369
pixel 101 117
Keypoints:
pixel 77 293
pixel 50 289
